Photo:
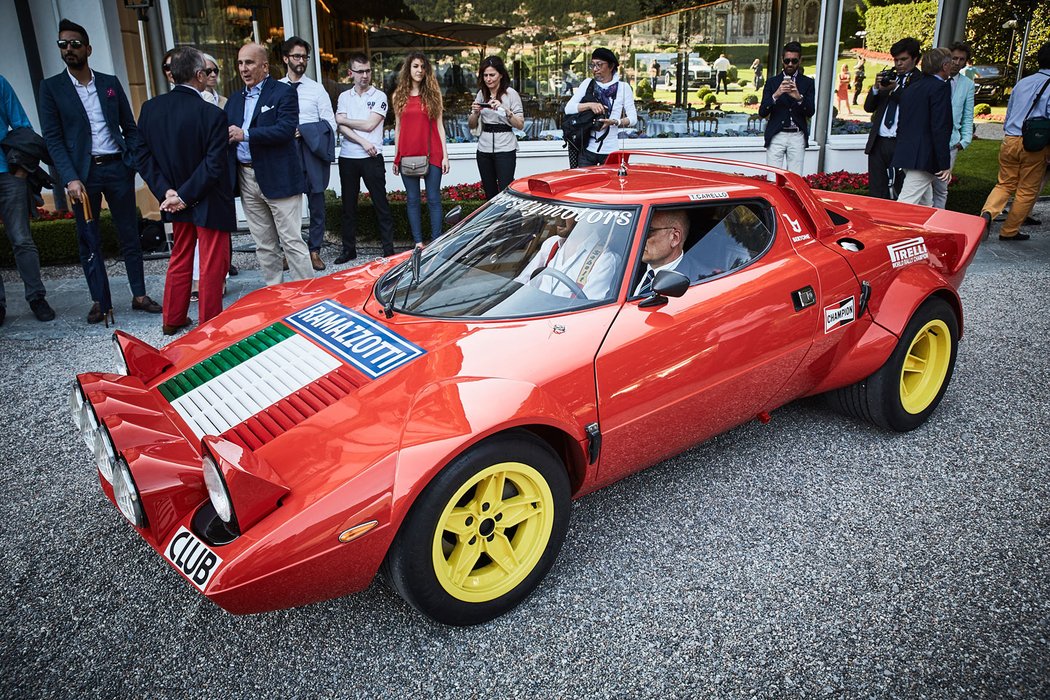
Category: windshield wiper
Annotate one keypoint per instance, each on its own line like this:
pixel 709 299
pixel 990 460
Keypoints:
pixel 413 264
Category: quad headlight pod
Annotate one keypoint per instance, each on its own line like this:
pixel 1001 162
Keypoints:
pixel 126 494
pixel 217 490
pixel 85 417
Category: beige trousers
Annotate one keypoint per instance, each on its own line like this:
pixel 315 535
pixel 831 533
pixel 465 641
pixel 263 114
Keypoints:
pixel 275 224
pixel 1020 175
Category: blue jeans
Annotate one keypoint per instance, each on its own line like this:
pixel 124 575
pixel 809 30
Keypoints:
pixel 415 214
pixel 14 211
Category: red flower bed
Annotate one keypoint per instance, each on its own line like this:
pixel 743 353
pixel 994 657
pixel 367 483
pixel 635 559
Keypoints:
pixel 456 193
pixel 45 215
pixel 838 181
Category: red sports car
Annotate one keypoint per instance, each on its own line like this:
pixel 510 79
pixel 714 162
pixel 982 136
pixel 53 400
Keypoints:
pixel 432 415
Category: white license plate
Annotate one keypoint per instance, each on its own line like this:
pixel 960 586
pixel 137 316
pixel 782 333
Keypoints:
pixel 192 557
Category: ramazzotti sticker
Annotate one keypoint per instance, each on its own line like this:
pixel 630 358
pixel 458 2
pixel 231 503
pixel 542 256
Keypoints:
pixel 354 338
pixel 839 314
pixel 908 252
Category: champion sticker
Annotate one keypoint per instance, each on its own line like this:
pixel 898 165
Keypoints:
pixel 699 196
pixel 192 558
pixel 908 252
pixel 839 314
pixel 355 338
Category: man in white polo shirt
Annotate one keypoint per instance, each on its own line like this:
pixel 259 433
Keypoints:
pixel 316 135
pixel 360 114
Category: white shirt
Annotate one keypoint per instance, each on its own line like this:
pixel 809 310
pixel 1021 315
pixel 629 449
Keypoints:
pixel 314 103
pixel 669 266
pixel 595 276
pixel 357 106
pixel 721 64
pixel 102 141
pixel 622 106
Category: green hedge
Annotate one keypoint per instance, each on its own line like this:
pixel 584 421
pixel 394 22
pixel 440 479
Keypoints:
pixel 56 240
pixel 889 24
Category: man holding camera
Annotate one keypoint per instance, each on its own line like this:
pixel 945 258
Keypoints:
pixel 883 102
pixel 787 105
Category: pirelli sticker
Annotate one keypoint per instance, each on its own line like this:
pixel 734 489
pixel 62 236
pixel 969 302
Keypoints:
pixel 354 338
pixel 907 252
pixel 839 314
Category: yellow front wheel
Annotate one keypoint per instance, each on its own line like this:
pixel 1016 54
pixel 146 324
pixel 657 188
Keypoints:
pixel 484 533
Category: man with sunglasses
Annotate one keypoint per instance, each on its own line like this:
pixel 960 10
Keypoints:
pixel 184 161
pixel 787 105
pixel 360 114
pixel 316 135
pixel 91 135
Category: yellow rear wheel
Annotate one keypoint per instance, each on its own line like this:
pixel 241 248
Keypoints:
pixel 925 366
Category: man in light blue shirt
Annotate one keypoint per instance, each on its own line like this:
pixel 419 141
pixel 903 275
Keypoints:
pixel 962 114
pixel 1020 171
pixel 14 212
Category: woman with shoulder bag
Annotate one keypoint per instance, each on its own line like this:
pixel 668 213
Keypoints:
pixel 498 109
pixel 612 103
pixel 419 135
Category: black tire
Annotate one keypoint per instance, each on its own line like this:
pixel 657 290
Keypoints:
pixel 535 492
pixel 901 400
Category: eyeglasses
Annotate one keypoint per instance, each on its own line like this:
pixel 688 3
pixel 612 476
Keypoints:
pixel 167 67
pixel 299 56
pixel 598 65
pixel 210 71
pixel 658 228
pixel 363 71
pixel 790 61
pixel 65 43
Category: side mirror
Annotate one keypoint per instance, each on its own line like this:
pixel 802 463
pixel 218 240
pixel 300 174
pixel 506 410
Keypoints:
pixel 667 283
pixel 454 216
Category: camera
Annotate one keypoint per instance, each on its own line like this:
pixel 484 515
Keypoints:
pixel 887 77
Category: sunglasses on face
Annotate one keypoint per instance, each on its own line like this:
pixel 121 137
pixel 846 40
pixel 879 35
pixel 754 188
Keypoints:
pixel 65 43
pixel 790 61
pixel 210 71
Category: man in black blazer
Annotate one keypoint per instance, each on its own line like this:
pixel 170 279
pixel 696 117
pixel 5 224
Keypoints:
pixel 925 130
pixel 787 105
pixel 90 132
pixel 266 166
pixel 184 160
pixel 883 101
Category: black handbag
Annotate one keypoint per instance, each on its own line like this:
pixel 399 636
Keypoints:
pixel 576 128
pixel 1035 131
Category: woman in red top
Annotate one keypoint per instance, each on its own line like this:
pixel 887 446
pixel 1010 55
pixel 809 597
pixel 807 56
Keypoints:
pixel 420 132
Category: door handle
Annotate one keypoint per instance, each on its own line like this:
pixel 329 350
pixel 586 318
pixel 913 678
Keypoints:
pixel 804 297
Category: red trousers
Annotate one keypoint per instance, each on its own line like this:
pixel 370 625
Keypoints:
pixel 215 263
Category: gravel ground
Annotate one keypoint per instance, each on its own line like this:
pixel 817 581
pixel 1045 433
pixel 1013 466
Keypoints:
pixel 810 557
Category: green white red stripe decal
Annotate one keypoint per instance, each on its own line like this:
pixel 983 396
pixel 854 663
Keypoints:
pixel 246 378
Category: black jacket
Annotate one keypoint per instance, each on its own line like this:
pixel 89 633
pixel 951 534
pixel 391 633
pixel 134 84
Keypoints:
pixel 876 102
pixel 24 148
pixel 925 126
pixel 786 109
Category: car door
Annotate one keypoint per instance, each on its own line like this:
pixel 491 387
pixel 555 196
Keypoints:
pixel 671 376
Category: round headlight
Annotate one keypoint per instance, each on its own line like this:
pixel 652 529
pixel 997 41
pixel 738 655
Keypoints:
pixel 105 456
pixel 126 494
pixel 216 485
pixel 88 425
pixel 121 364
pixel 76 402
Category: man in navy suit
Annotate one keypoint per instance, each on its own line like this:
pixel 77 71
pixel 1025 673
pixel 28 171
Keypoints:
pixel 184 160
pixel 925 130
pixel 664 243
pixel 883 102
pixel 91 135
pixel 267 168
pixel 787 105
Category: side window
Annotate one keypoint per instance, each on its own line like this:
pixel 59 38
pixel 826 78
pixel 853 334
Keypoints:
pixel 728 237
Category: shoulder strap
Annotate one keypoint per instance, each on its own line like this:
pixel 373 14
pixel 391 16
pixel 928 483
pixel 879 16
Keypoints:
pixel 1036 100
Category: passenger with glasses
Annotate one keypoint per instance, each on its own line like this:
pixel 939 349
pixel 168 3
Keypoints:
pixel 316 135
pixel 787 105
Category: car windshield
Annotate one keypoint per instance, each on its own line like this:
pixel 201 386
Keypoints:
pixel 987 71
pixel 518 257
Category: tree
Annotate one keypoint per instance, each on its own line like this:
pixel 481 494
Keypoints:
pixel 991 42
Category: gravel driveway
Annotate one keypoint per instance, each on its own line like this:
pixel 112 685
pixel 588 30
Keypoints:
pixel 810 557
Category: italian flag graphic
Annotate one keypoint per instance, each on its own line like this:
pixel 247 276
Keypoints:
pixel 247 378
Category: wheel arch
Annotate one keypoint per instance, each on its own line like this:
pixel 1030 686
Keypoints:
pixel 909 290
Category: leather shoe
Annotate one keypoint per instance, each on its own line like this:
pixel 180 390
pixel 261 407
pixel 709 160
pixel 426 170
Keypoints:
pixel 144 303
pixel 234 270
pixel 95 315
pixel 42 310
pixel 172 330
pixel 1015 237
pixel 1029 221
pixel 315 260
pixel 346 256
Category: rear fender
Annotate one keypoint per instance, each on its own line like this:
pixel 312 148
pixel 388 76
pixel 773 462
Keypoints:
pixel 447 418
pixel 912 286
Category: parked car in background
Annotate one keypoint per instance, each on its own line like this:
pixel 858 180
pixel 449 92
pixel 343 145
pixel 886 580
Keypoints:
pixel 992 86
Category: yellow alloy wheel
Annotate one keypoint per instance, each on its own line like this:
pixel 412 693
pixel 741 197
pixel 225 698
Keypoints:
pixel 493 532
pixel 925 366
